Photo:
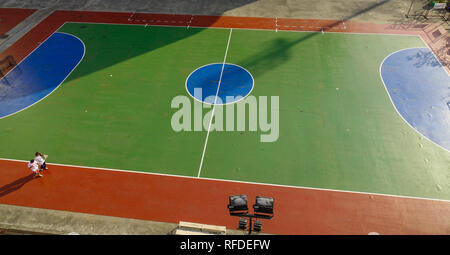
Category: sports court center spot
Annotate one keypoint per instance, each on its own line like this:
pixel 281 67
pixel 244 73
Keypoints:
pixel 230 82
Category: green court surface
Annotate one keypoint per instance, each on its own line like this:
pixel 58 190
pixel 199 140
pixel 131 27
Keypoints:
pixel 338 128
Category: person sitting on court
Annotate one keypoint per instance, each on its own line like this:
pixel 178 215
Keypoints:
pixel 40 160
pixel 35 168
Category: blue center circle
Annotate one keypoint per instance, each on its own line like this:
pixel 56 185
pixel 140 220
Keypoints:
pixel 235 84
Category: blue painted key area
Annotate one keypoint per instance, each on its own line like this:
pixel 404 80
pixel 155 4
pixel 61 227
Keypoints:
pixel 40 73
pixel 420 89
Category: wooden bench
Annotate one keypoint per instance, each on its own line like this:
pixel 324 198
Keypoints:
pixel 197 228
pixel 189 233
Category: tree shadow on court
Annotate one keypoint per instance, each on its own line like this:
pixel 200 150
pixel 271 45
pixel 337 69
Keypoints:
pixel 15 185
pixel 98 39
pixel 132 46
pixel 423 58
pixel 419 12
pixel 140 10
pixel 421 17
pixel 108 45
pixel 278 51
pixel 275 55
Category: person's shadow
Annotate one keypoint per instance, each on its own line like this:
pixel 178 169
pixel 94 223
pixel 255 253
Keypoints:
pixel 15 185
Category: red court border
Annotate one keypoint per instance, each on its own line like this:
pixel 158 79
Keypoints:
pixel 10 17
pixel 171 199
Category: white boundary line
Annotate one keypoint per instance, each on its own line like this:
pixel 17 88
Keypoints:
pixel 252 29
pixel 253 84
pixel 264 29
pixel 82 57
pixel 235 181
pixel 392 102
pixel 214 106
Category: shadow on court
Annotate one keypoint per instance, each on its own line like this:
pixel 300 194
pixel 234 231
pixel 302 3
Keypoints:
pixel 278 51
pixel 276 54
pixel 15 185
pixel 112 44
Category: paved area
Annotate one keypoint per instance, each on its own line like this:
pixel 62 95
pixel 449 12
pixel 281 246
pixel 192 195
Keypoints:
pixel 24 220
pixel 33 220
pixel 373 11
pixel 362 10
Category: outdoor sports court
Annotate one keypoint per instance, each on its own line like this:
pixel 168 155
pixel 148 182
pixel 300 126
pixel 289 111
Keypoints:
pixel 364 121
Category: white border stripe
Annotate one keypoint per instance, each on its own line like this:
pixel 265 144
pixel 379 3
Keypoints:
pixel 235 181
pixel 254 29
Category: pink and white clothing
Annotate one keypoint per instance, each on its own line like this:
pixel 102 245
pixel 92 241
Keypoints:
pixel 39 160
pixel 33 166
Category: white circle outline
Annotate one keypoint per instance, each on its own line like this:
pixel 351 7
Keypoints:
pixel 253 84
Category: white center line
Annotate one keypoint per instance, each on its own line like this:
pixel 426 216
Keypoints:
pixel 214 107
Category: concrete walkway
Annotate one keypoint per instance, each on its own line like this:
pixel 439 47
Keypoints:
pixel 361 10
pixel 373 11
pixel 26 220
